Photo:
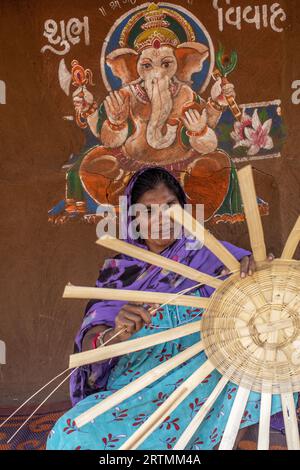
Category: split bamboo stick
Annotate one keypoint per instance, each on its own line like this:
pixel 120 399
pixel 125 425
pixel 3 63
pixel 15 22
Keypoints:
pixel 171 403
pixel 157 260
pixel 264 421
pixel 290 421
pixel 292 242
pixel 192 225
pixel 234 420
pixel 188 433
pixel 137 385
pixel 256 234
pixel 78 292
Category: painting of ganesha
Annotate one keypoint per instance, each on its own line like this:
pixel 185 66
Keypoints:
pixel 156 117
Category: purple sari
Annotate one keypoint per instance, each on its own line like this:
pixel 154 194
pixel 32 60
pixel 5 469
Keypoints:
pixel 124 272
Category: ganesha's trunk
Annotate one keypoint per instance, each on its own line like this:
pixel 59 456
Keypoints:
pixel 160 134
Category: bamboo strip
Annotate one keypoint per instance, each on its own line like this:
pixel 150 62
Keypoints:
pixel 292 242
pixel 157 260
pixel 290 421
pixel 188 433
pixel 192 225
pixel 233 424
pixel 77 292
pixel 140 383
pixel 168 406
pixel 126 347
pixel 256 234
pixel 264 421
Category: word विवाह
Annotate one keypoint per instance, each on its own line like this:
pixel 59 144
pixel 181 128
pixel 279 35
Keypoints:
pixel 261 15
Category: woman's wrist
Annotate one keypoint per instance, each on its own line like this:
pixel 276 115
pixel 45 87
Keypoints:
pixel 100 338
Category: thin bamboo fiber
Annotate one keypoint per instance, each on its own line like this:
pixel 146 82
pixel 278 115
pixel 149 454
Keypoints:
pixel 290 421
pixel 138 384
pixel 182 217
pixel 157 260
pixel 263 442
pixel 188 433
pixel 126 347
pixel 78 292
pixel 235 417
pixel 169 405
pixel 292 242
pixel 256 234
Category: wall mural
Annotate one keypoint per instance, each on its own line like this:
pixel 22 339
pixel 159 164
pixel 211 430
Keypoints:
pixel 156 62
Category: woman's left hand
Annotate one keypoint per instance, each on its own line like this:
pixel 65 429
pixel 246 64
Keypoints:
pixel 247 266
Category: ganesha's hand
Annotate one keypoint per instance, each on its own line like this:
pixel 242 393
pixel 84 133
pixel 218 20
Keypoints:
pixel 82 99
pixel 117 108
pixel 220 90
pixel 194 121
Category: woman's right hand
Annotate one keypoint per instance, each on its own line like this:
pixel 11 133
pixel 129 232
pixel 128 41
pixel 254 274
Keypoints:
pixel 133 317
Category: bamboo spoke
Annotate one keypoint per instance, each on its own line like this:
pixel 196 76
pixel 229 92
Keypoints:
pixel 233 424
pixel 264 421
pixel 199 417
pixel 292 242
pixel 290 421
pixel 140 383
pixel 157 260
pixel 77 292
pixel 256 234
pixel 164 410
pixel 193 226
pixel 126 347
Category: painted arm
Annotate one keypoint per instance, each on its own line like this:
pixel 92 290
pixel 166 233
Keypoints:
pixel 114 130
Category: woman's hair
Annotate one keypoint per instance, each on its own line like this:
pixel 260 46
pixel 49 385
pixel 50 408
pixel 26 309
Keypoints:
pixel 151 178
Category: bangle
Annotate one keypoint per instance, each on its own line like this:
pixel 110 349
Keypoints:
pixel 100 337
pixel 91 110
pixel 116 127
pixel 216 106
pixel 197 133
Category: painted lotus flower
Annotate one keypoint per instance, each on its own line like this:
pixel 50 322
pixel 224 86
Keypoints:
pixel 251 133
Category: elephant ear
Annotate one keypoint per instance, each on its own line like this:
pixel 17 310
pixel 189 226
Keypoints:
pixel 190 57
pixel 123 63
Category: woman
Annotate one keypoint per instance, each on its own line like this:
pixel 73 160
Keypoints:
pixel 91 384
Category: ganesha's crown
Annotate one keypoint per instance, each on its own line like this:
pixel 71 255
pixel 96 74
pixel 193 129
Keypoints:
pixel 156 29
pixel 156 33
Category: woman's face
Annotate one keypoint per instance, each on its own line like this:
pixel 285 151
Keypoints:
pixel 157 231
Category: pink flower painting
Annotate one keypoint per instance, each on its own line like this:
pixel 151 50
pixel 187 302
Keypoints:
pixel 251 133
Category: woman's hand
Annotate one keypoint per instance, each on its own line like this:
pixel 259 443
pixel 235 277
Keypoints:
pixel 247 266
pixel 133 317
